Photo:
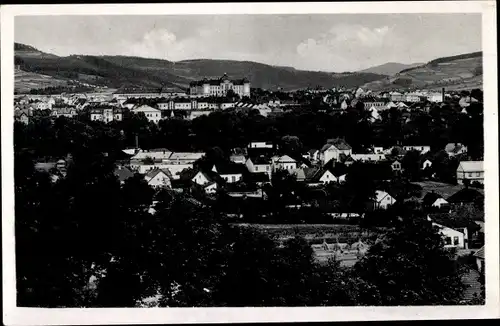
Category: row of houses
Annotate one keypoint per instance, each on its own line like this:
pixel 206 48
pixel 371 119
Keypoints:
pixel 25 115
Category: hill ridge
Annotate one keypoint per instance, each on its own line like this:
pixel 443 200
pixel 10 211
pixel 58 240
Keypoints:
pixel 130 71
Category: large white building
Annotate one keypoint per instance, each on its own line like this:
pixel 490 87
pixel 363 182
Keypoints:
pixel 151 114
pixel 220 87
pixel 106 114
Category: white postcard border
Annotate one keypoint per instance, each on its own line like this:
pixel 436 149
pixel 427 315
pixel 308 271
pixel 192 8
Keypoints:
pixel 40 316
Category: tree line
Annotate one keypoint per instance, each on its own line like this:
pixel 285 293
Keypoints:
pixel 87 241
pixel 231 129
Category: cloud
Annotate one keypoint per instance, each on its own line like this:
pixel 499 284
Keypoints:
pixel 156 43
pixel 343 43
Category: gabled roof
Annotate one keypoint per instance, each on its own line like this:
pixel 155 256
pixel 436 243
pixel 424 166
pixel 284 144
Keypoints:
pixel 339 143
pixel 145 108
pixel 260 160
pixel 311 173
pixel 312 151
pixel 211 176
pixel 286 159
pixel 471 166
pixel 380 194
pixel 152 173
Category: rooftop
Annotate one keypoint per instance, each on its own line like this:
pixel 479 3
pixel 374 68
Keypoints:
pixel 472 166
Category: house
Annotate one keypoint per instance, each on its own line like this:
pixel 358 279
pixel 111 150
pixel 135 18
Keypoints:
pixel 470 171
pixel 22 116
pixel 238 159
pixel 164 159
pixel 421 149
pixel 305 174
pixel 155 154
pixel 432 199
pixel 122 173
pixel 378 105
pixel 284 162
pixel 152 114
pixel 452 238
pixel 391 105
pixel 440 203
pixel 313 154
pixel 378 149
pixel 453 149
pixel 260 144
pixel 157 178
pixel 68 112
pixel 359 92
pixel 368 157
pixel 259 164
pixel 396 96
pixel 383 200
pixel 208 180
pixel 412 97
pixel 327 176
pixel 106 114
pixel 401 105
pixel 333 149
pixel 396 166
pixel 479 255
pixel 211 187
pixel 231 173
pixel 426 164
pixel 179 161
pixel 346 160
pixel 395 151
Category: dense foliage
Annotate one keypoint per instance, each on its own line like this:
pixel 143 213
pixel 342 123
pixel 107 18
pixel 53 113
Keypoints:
pixel 294 130
pixel 86 241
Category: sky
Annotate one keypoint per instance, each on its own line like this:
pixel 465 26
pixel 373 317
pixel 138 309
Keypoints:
pixel 319 42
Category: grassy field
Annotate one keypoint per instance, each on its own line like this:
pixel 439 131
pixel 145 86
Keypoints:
pixel 24 81
pixel 451 73
pixel 317 233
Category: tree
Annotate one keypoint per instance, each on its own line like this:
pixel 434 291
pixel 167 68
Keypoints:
pixel 411 165
pixel 291 145
pixel 403 267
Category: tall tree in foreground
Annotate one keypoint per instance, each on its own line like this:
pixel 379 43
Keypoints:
pixel 412 267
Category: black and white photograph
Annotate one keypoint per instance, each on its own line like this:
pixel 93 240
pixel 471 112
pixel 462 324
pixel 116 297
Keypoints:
pixel 177 160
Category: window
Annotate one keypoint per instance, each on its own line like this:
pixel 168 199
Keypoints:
pixel 233 178
pixel 470 174
pixel 256 169
pixel 447 241
pixel 455 241
pixel 267 168
pixel 478 174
